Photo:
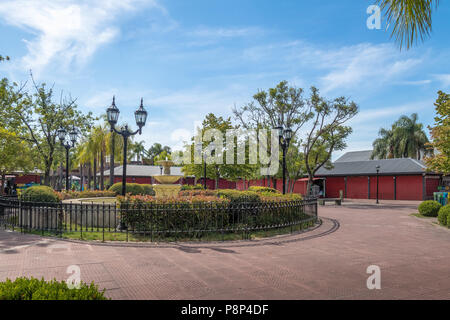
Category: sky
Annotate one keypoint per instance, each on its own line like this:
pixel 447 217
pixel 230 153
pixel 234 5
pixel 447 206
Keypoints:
pixel 190 58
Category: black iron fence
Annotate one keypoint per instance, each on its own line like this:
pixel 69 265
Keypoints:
pixel 157 222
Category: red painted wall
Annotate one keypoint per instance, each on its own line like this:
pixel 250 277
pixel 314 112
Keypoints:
pixel 333 185
pixel 357 187
pixel 28 179
pixel 409 187
pixel 432 182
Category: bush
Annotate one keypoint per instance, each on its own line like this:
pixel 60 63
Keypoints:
pixel 64 195
pixel 444 215
pixel 263 189
pixel 182 213
pixel 133 189
pixel 429 208
pixel 40 194
pixel 202 192
pixel 236 196
pixel 148 190
pixel 270 196
pixel 187 187
pixel 34 289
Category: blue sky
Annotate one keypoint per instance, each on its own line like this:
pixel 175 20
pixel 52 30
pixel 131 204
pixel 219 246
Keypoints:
pixel 189 58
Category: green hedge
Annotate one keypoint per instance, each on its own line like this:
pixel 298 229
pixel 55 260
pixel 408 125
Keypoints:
pixel 34 289
pixel 187 187
pixel 429 208
pixel 444 215
pixel 239 196
pixel 40 194
pixel 263 189
pixel 85 194
pixel 133 189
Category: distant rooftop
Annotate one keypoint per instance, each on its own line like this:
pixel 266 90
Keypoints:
pixel 368 167
pixel 355 156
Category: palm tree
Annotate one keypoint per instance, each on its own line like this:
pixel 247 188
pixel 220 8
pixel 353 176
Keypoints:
pixel 384 147
pixel 411 19
pixel 138 150
pixel 412 139
pixel 100 140
pixel 405 139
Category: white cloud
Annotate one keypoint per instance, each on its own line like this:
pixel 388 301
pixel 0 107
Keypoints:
pixel 444 79
pixel 66 31
pixel 364 64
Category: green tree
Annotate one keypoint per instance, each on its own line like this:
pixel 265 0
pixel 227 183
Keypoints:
pixel 38 118
pixel 283 105
pixel 328 132
pixel 216 170
pixel 384 147
pixel 153 151
pixel 2 58
pixel 15 155
pixel 405 139
pixel 440 133
pixel 138 149
pixel 410 19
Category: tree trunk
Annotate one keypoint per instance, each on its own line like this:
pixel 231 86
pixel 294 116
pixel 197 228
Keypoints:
pixel 95 173
pixel 274 182
pixel 81 177
pixel 3 183
pixel 309 185
pixel 89 176
pixel 102 168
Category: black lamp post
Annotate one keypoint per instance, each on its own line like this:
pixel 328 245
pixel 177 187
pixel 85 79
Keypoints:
pixel 62 133
pixel 378 172
pixel 113 115
pixel 284 138
pixel 204 170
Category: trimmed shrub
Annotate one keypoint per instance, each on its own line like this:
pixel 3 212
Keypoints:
pixel 148 190
pixel 429 208
pixel 187 187
pixel 182 213
pixel 263 189
pixel 236 196
pixel 444 215
pixel 85 194
pixel 133 189
pixel 270 196
pixel 40 194
pixel 34 289
pixel 193 193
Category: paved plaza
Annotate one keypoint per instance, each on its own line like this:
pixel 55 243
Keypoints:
pixel 329 262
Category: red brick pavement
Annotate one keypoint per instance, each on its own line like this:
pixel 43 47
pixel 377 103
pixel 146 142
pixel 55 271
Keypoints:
pixel 329 262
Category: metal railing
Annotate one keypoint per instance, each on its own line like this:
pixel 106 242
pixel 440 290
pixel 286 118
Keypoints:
pixel 156 222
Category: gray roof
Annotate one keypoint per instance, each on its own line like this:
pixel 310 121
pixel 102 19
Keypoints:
pixel 368 167
pixel 355 156
pixel 143 171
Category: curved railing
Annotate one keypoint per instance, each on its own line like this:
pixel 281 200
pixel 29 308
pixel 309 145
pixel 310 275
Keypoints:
pixel 157 222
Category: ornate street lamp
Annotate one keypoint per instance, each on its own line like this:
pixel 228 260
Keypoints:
pixel 378 173
pixel 62 134
pixel 284 138
pixel 141 118
pixel 112 114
